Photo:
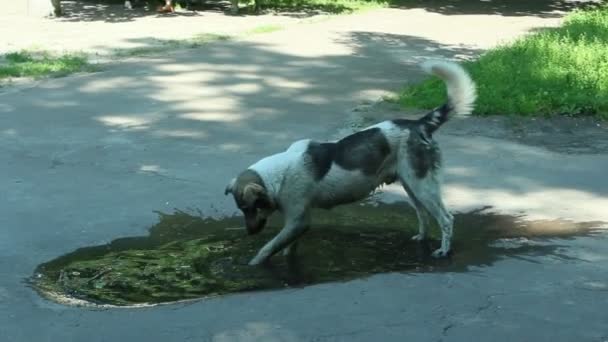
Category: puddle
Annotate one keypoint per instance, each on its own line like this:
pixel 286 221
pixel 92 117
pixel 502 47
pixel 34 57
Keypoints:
pixel 186 257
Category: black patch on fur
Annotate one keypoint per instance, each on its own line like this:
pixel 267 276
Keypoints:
pixel 426 122
pixel 364 150
pixel 247 177
pixel 424 154
pixel 250 176
pixel 441 116
pixel 322 156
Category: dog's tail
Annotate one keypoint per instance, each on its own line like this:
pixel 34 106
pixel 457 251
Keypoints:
pixel 461 93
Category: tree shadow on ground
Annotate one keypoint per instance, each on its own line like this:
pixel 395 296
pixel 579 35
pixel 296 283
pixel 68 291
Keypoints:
pixel 250 75
pixel 113 11
pixel 507 8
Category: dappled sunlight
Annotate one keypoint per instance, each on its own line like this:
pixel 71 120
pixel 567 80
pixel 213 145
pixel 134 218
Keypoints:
pixel 256 331
pixel 174 67
pixel 433 40
pixel 4 108
pixel 233 89
pixel 596 257
pixel 151 169
pixel 244 88
pixel 430 49
pixel 310 63
pixel 522 182
pixel 232 147
pixel 127 122
pixel 213 117
pixel 483 146
pixel 285 82
pixel 459 171
pixel 538 204
pixel 281 136
pixel 57 103
pixel 106 84
pixel 180 133
pixel 314 99
pixel 10 132
pixel 234 65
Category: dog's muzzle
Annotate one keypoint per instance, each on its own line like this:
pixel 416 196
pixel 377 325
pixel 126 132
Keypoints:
pixel 254 225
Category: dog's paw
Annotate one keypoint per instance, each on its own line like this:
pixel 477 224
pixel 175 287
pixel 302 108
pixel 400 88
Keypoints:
pixel 440 253
pixel 260 261
pixel 418 237
pixel 255 262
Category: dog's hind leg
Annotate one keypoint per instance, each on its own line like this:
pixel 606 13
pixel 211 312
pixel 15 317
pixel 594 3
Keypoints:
pixel 435 206
pixel 420 214
pixel 293 229
pixel 427 191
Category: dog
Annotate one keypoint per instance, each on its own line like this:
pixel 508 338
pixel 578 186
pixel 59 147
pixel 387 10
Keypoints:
pixel 312 174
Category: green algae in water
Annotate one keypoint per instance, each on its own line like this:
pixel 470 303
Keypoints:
pixel 187 257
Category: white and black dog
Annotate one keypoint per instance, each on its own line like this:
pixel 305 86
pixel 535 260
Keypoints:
pixel 311 174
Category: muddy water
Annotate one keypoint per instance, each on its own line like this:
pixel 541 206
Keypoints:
pixel 188 256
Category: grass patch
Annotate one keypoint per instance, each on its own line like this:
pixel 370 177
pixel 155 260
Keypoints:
pixel 41 63
pixel 204 38
pixel 265 29
pixel 561 70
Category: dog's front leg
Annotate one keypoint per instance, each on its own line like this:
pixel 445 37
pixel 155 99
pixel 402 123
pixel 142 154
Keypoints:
pixel 293 229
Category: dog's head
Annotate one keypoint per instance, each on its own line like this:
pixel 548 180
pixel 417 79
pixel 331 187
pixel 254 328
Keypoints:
pixel 251 197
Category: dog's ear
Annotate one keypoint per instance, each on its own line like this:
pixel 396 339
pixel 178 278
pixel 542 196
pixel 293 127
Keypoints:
pixel 252 191
pixel 230 187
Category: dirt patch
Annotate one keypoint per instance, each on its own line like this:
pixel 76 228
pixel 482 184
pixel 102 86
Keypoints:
pixel 189 256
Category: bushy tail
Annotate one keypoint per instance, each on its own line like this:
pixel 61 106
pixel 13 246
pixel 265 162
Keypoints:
pixel 461 93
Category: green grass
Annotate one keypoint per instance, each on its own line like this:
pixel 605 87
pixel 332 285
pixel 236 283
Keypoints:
pixel 265 29
pixel 560 70
pixel 40 63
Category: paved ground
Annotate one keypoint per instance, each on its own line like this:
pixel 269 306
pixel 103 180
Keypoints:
pixel 100 29
pixel 87 159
